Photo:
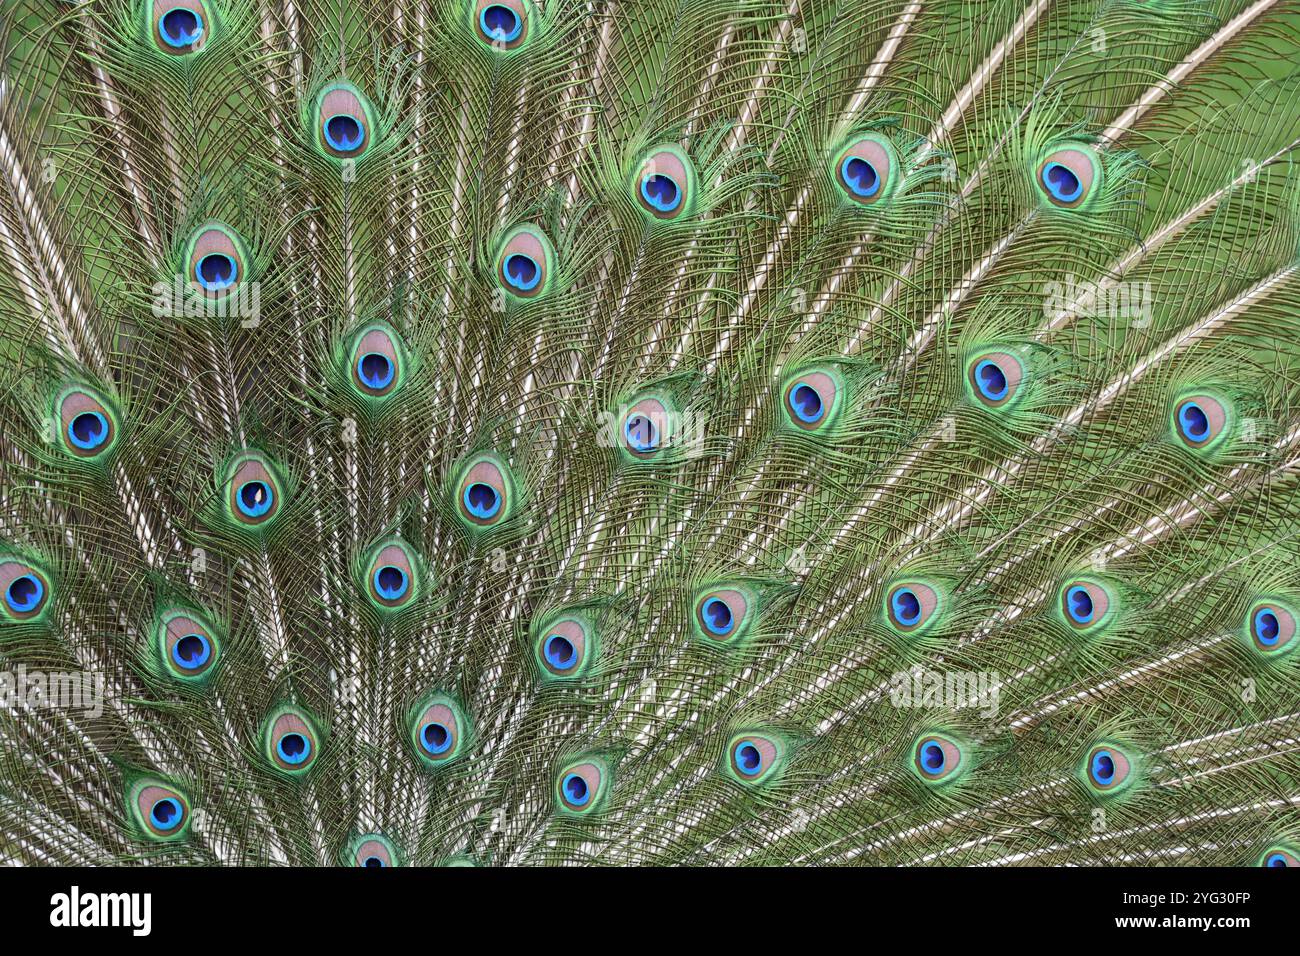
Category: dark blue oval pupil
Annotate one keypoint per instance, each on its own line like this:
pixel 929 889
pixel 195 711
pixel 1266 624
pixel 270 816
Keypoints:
pixel 907 605
pixel 932 757
pixel 521 270
pixel 1080 604
pixel 808 402
pixel 435 735
pixel 23 591
pixel 641 432
pixel 661 191
pixel 88 428
pixel 861 175
pixel 1196 425
pixel 344 131
pixel 1266 625
pixel 293 745
pixel 391 579
pixel 376 370
pixel 482 498
pixel 1103 767
pixel 992 379
pixel 1061 182
pixel 165 812
pixel 181 26
pixel 719 614
pixel 373 861
pixel 560 651
pixel 253 493
pixel 576 788
pixel 1277 860
pixel 217 269
pixel 500 21
pixel 191 649
pixel 748 757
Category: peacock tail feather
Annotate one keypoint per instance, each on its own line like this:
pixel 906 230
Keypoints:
pixel 697 432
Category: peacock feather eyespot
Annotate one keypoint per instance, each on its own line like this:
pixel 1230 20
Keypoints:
pixel 87 424
pixel 438 731
pixel 1085 604
pixel 910 606
pixel 581 787
pixel 1271 627
pixel 1200 421
pixel 188 646
pixel 178 27
pixel 866 170
pixel 159 811
pixel 343 120
pixel 723 615
pixel 372 850
pixel 664 184
pixel 253 490
pixel 1107 769
pixel 525 262
pixel 1280 856
pixel 26 589
pixel 812 400
pixel 501 24
pixel 1069 175
pixel 995 378
pixel 565 647
pixel 290 741
pixel 216 259
pixel 485 493
pixel 938 759
pixel 376 362
pixel 393 575
pixel 754 758
pixel 645 429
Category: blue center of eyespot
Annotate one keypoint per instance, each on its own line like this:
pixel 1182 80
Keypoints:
pixel 343 133
pixel 180 27
pixel 375 370
pixel 166 813
pixel 1266 626
pixel 481 500
pixel 499 23
pixel 991 380
pixel 641 432
pixel 560 652
pixel 717 616
pixel 576 790
pixel 1277 859
pixel 215 271
pixel 293 748
pixel 88 430
pixel 661 192
pixel 522 272
pixel 1079 603
pixel 906 606
pixel 24 593
pixel 254 498
pixel 1193 422
pixel 191 652
pixel 435 737
pixel 372 861
pixel 1061 182
pixel 390 582
pixel 1103 767
pixel 932 758
pixel 860 176
pixel 748 760
pixel 806 403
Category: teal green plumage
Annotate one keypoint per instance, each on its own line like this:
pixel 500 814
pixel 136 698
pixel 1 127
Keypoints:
pixel 703 432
